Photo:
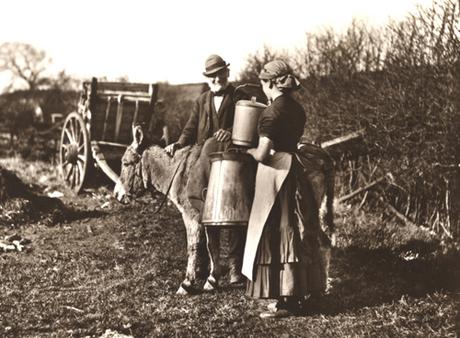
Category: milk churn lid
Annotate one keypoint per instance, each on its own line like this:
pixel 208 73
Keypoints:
pixel 251 103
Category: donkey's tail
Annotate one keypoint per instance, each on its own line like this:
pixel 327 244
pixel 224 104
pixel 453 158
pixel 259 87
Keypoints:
pixel 329 212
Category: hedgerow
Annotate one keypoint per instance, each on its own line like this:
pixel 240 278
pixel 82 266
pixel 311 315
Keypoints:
pixel 400 84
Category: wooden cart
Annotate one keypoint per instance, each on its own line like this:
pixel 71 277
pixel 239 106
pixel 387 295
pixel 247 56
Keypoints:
pixel 100 130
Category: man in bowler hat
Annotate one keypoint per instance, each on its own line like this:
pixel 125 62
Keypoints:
pixel 212 115
pixel 213 111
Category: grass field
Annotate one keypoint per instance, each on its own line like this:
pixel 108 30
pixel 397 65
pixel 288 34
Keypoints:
pixel 116 267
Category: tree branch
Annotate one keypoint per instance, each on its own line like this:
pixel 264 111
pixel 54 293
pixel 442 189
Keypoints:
pixel 365 188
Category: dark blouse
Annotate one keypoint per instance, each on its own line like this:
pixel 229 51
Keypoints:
pixel 283 122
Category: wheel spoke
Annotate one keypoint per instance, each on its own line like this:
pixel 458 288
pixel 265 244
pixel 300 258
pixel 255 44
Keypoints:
pixel 77 131
pixel 80 138
pixel 72 129
pixel 81 172
pixel 69 128
pixel 80 167
pixel 81 158
pixel 77 176
pixel 63 150
pixel 74 151
pixel 65 137
pixel 74 174
pixel 69 136
pixel 67 177
pixel 65 140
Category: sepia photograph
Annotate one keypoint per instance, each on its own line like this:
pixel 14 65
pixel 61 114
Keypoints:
pixel 236 169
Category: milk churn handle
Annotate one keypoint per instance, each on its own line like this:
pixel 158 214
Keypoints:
pixel 238 88
pixel 203 193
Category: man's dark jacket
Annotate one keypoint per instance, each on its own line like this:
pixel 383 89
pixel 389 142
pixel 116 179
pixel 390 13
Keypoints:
pixel 202 124
pixel 204 121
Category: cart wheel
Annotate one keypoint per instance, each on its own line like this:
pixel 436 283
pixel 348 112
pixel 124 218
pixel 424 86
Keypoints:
pixel 74 152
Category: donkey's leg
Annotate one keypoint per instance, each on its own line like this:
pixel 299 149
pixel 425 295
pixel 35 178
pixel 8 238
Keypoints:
pixel 213 243
pixel 323 189
pixel 194 236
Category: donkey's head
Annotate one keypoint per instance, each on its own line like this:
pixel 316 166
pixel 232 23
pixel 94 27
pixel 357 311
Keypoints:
pixel 130 183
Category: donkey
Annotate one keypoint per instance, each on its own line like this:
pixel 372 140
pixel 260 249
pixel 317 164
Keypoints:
pixel 150 167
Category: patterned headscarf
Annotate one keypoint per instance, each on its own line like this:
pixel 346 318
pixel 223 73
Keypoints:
pixel 281 73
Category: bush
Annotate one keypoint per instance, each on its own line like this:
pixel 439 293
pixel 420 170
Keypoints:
pixel 401 85
pixel 177 101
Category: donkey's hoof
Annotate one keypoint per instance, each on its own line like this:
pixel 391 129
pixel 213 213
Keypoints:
pixel 185 289
pixel 211 284
pixel 181 291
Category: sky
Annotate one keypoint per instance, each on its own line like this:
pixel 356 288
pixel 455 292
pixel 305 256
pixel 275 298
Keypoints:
pixel 150 41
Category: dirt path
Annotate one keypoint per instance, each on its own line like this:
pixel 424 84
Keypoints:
pixel 118 267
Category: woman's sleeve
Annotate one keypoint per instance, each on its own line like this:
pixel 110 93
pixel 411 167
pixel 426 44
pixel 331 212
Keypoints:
pixel 268 124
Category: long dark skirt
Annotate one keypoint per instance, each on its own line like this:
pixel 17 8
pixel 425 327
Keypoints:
pixel 288 259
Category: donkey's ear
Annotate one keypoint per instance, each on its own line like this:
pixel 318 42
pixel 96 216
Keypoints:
pixel 138 135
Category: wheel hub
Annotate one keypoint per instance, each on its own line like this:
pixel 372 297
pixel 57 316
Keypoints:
pixel 71 155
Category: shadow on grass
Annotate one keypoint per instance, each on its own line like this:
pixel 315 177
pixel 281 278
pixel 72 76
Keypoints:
pixel 76 214
pixel 60 212
pixel 369 277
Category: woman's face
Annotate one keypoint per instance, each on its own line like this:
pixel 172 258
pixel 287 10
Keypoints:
pixel 266 88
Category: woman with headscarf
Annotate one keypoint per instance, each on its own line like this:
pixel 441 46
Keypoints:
pixel 281 258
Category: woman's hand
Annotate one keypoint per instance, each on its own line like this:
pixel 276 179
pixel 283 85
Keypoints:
pixel 262 152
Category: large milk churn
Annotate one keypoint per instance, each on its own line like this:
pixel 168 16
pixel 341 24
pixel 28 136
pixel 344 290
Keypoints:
pixel 245 122
pixel 230 190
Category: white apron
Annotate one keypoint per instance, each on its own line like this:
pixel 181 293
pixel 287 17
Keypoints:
pixel 269 180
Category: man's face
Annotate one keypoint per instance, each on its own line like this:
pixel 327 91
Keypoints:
pixel 219 80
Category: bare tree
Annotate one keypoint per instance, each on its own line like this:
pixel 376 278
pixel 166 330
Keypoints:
pixel 24 62
pixel 255 62
pixel 359 48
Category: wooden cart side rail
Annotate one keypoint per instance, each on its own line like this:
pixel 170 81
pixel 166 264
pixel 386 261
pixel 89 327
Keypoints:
pixel 120 86
pixel 126 96
pixel 147 91
pixel 129 95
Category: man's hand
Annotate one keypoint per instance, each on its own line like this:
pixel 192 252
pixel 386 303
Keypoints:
pixel 222 135
pixel 171 149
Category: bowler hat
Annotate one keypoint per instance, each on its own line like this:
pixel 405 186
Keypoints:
pixel 213 64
